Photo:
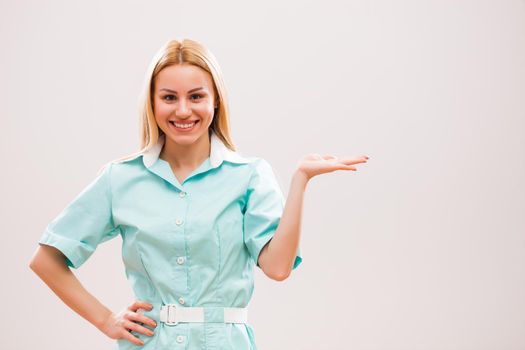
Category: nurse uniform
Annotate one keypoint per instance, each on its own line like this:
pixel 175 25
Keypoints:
pixel 187 245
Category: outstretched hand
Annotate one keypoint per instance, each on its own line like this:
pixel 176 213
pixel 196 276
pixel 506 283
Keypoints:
pixel 315 164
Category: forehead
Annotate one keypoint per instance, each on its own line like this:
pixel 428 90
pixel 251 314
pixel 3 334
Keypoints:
pixel 183 77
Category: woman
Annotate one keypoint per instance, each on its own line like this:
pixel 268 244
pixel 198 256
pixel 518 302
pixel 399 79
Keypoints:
pixel 195 217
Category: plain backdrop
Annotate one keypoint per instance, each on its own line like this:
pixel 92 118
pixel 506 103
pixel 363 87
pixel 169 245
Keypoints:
pixel 422 248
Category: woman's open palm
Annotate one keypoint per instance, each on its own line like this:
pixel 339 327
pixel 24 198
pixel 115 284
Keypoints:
pixel 314 164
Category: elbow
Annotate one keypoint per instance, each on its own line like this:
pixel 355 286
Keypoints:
pixel 276 271
pixel 34 266
pixel 44 258
pixel 33 262
pixel 279 276
pixel 36 262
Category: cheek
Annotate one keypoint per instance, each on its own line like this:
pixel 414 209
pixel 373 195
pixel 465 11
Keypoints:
pixel 204 109
pixel 163 109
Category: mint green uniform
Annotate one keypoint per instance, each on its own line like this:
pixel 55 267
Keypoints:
pixel 193 243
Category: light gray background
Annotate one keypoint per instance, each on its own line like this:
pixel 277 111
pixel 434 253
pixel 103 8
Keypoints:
pixel 421 248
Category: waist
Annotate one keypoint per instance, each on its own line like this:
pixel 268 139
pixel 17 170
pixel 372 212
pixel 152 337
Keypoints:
pixel 173 314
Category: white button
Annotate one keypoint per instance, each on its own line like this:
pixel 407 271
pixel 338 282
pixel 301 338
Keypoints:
pixel 180 338
pixel 180 260
pixel 179 221
pixel 181 300
pixel 182 194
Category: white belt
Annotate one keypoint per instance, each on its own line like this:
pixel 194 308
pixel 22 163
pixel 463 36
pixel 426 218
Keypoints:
pixel 171 314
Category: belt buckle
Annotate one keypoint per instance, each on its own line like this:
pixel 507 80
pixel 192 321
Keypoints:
pixel 171 310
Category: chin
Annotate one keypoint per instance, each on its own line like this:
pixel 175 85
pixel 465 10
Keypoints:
pixel 188 139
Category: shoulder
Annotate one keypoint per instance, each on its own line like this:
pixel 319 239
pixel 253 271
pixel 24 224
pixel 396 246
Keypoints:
pixel 130 158
pixel 242 158
pixel 261 165
pixel 262 172
pixel 248 167
pixel 255 164
pixel 230 156
pixel 117 164
pixel 129 161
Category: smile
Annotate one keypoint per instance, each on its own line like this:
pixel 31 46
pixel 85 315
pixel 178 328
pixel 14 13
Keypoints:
pixel 183 126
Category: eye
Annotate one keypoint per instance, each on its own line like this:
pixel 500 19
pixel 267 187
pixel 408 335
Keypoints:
pixel 168 97
pixel 197 96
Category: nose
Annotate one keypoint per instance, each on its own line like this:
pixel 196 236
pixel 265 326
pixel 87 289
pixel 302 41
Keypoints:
pixel 183 108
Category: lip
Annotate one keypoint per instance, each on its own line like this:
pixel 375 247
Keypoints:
pixel 172 125
pixel 183 121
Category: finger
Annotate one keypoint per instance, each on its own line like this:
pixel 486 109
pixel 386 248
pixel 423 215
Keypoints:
pixel 350 161
pixel 132 339
pixel 360 158
pixel 140 304
pixel 144 319
pixel 329 157
pixel 346 167
pixel 337 166
pixel 132 326
pixel 139 317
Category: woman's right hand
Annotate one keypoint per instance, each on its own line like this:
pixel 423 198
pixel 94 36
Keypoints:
pixel 120 325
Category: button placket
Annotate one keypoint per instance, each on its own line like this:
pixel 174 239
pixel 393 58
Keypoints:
pixel 180 250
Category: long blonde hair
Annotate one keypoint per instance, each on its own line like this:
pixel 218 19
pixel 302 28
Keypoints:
pixel 172 53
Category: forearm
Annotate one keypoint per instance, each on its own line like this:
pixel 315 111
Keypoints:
pixel 282 249
pixel 51 268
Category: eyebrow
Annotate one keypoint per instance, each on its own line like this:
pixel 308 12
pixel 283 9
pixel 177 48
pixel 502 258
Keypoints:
pixel 192 90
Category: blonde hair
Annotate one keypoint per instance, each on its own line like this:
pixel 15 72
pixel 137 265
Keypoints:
pixel 172 53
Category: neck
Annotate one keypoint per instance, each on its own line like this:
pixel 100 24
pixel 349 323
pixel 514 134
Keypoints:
pixel 186 156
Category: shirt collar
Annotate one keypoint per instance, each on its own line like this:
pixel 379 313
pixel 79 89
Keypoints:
pixel 218 152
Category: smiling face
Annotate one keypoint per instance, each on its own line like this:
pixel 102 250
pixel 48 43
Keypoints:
pixel 184 102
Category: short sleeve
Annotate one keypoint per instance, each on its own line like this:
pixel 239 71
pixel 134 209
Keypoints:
pixel 84 223
pixel 263 211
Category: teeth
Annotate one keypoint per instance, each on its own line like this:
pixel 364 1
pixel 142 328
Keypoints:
pixel 184 126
